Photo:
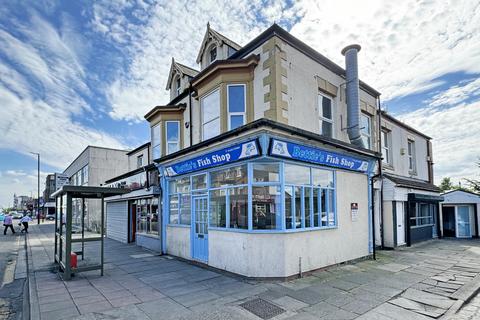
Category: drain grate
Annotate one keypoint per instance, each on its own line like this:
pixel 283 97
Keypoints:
pixel 262 308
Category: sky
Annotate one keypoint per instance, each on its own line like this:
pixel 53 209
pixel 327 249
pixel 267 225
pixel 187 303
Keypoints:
pixel 78 73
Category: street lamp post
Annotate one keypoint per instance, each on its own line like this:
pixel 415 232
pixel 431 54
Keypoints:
pixel 38 186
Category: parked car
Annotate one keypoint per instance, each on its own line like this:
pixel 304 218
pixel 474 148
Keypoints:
pixel 50 216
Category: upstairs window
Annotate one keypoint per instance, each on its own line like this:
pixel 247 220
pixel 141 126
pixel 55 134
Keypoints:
pixel 172 129
pixel 236 105
pixel 155 134
pixel 325 112
pixel 213 54
pixel 386 147
pixel 140 161
pixel 210 105
pixel 411 155
pixel 366 130
pixel 177 86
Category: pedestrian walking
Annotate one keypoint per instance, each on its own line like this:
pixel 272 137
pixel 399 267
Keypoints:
pixel 24 221
pixel 8 223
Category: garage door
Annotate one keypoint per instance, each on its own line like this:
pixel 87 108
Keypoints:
pixel 117 221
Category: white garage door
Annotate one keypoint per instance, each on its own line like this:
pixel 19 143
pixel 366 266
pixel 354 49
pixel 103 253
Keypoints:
pixel 117 221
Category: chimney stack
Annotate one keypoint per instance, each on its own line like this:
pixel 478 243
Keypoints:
pixel 353 104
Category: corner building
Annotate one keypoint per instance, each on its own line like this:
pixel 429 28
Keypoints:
pixel 264 168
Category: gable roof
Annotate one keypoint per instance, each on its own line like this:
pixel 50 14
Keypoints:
pixel 182 69
pixel 219 37
pixel 276 30
pixel 414 184
pixel 465 191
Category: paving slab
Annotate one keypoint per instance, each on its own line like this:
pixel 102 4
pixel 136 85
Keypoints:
pixel 428 298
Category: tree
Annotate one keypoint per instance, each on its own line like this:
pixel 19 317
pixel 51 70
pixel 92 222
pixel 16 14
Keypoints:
pixel 473 183
pixel 446 184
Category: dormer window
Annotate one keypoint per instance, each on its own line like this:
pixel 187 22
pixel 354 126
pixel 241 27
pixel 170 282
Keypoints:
pixel 177 83
pixel 213 54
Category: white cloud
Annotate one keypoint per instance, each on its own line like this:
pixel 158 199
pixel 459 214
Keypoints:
pixel 456 94
pixel 19 182
pixel 42 83
pixel 456 137
pixel 173 28
pixel 405 44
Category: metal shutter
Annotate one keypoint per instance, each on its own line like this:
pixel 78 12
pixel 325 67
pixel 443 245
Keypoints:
pixel 117 221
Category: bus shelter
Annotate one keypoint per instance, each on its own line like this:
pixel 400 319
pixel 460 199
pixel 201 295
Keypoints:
pixel 80 228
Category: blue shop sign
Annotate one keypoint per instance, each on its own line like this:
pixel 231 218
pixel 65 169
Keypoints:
pixel 231 154
pixel 299 152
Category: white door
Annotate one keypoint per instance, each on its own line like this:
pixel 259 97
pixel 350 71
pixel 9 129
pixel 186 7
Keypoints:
pixel 400 223
pixel 463 222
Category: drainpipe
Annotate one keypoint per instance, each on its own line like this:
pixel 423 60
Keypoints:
pixel 380 172
pixel 353 106
pixel 190 112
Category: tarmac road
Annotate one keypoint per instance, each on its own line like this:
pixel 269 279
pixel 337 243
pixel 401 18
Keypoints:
pixel 11 290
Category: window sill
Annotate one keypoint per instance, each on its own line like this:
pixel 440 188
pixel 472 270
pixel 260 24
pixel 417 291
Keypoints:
pixel 148 235
pixel 178 225
pixel 422 226
pixel 262 231
pixel 387 166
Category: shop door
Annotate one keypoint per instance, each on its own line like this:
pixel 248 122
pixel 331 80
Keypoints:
pixel 400 224
pixel 200 229
pixel 463 222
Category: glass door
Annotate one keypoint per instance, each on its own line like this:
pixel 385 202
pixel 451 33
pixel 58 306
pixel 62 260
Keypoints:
pixel 463 222
pixel 200 229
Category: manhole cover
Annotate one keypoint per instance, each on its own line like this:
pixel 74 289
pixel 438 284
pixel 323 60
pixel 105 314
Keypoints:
pixel 262 308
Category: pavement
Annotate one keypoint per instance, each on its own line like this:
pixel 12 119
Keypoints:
pixel 437 279
pixel 13 274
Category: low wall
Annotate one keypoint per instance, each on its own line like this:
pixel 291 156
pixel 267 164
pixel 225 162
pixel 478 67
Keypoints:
pixel 178 241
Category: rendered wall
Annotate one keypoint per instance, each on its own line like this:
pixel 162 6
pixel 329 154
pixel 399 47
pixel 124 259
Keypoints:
pixel 178 241
pixel 149 242
pixel 132 158
pixel 278 254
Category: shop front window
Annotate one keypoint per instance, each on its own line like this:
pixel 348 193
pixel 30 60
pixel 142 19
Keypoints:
pixel 266 208
pixel 308 200
pixel 310 193
pixel 147 216
pixel 238 207
pixel 179 201
pixel 218 208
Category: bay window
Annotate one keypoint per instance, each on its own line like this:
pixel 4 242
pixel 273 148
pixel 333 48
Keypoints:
pixel 236 104
pixel 249 197
pixel 210 105
pixel 325 112
pixel 155 135
pixel 172 132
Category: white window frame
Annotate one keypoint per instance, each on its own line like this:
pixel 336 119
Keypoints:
pixel 202 109
pixel 244 113
pixel 320 113
pixel 177 142
pixel 386 147
pixel 140 157
pixel 411 156
pixel 368 134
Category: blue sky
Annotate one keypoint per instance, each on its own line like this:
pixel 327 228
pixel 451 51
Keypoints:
pixel 76 73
